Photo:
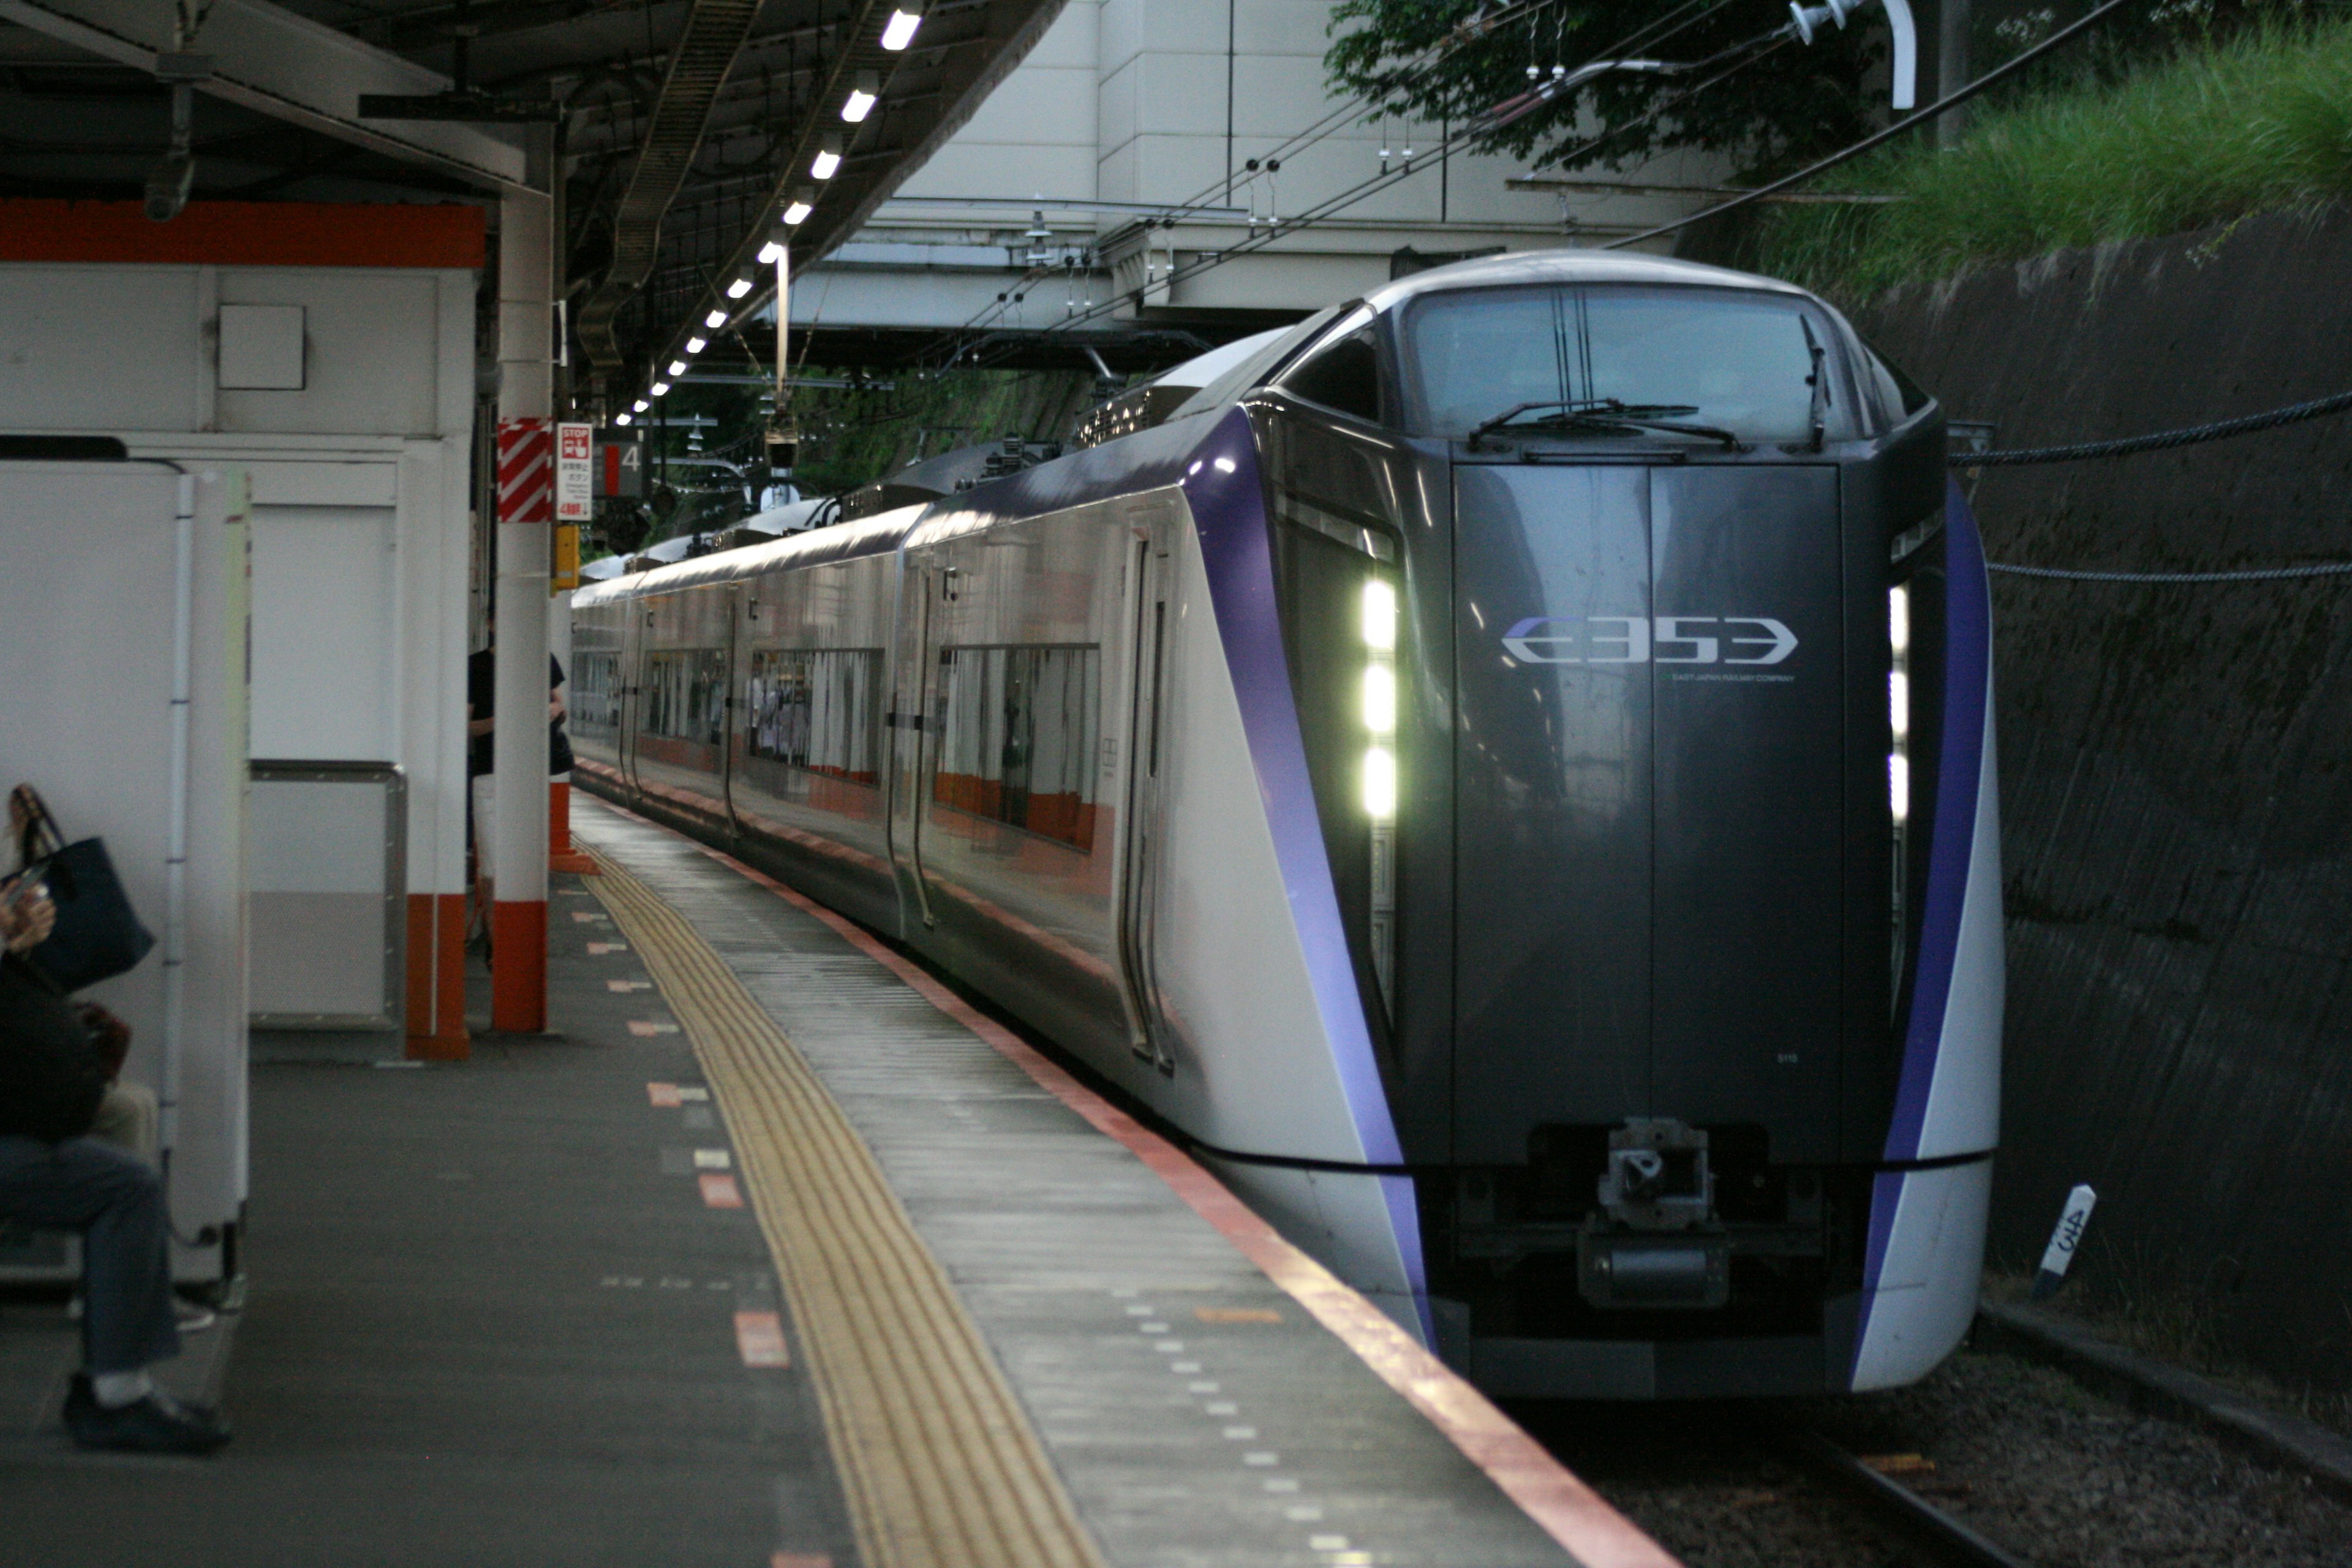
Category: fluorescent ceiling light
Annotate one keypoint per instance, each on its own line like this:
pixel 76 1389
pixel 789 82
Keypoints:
pixel 659 388
pixel 677 367
pixel 640 406
pixel 715 320
pixel 862 97
pixel 696 345
pixel 804 203
pixel 737 289
pixel 899 30
pixel 620 419
pixel 771 253
pixel 823 165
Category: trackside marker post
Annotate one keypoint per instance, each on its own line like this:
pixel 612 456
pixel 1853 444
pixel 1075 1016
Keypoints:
pixel 2072 1219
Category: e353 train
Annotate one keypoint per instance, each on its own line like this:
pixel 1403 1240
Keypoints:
pixel 1505 769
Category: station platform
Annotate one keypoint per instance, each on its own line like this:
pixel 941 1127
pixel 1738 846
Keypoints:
pixel 774 1252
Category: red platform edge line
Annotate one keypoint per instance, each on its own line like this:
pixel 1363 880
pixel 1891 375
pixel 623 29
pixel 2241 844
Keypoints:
pixel 245 233
pixel 1547 1492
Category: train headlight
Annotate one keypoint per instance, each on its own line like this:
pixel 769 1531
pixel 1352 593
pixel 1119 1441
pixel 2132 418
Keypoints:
pixel 1379 616
pixel 1379 783
pixel 1379 699
pixel 1898 767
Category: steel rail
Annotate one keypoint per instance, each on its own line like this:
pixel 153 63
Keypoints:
pixel 1896 1504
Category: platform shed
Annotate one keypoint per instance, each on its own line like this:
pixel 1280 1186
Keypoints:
pixel 328 352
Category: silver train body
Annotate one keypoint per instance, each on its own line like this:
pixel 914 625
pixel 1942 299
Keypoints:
pixel 1551 871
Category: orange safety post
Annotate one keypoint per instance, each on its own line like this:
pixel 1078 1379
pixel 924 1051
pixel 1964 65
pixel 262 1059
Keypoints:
pixel 562 854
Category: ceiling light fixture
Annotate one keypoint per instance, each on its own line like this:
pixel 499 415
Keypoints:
pixel 804 203
pixel 828 156
pixel 899 30
pixel 715 320
pixel 659 388
pixel 696 345
pixel 863 96
pixel 737 289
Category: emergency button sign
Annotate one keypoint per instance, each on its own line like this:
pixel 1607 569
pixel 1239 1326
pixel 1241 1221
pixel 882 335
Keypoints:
pixel 574 454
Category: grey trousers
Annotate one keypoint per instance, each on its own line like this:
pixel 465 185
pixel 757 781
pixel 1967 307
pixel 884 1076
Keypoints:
pixel 117 1204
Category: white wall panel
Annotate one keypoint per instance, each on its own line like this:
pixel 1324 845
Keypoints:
pixel 1183 94
pixel 92 348
pixel 1117 111
pixel 371 356
pixel 986 169
pixel 325 587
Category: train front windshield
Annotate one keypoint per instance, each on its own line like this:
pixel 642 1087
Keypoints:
pixel 1737 362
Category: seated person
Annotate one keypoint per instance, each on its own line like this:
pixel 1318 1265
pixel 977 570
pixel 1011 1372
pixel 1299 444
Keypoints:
pixel 53 1175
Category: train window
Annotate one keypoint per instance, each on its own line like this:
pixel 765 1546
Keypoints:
pixel 1345 375
pixel 1900 395
pixel 1739 361
pixel 818 709
pixel 1017 737
pixel 685 695
pixel 592 706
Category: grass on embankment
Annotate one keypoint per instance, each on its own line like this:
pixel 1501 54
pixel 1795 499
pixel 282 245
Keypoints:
pixel 2258 124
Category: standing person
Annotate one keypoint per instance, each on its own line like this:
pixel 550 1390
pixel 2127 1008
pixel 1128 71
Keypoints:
pixel 53 1175
pixel 481 724
pixel 481 711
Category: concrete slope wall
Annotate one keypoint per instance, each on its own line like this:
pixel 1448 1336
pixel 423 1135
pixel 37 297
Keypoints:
pixel 2175 766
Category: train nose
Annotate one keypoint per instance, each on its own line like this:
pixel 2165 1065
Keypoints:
pixel 1649 788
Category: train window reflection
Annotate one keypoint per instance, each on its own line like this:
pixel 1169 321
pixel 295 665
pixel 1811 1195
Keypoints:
pixel 594 705
pixel 1345 377
pixel 1739 361
pixel 1017 737
pixel 817 709
pixel 685 695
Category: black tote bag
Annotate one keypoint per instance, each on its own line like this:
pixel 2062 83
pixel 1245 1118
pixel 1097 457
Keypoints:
pixel 98 934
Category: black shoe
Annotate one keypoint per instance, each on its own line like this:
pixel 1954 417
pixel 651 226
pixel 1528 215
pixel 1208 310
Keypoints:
pixel 155 1424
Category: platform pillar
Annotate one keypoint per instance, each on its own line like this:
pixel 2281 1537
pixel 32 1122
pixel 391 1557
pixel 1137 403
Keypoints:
pixel 525 485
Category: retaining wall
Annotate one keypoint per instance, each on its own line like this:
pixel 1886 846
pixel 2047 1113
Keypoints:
pixel 2176 767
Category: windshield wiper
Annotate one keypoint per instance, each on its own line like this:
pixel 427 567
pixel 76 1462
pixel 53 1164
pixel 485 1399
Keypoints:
pixel 1818 411
pixel 1606 413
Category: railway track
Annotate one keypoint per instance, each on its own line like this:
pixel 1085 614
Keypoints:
pixel 1888 1500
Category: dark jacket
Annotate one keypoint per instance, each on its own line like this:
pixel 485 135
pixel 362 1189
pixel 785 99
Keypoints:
pixel 51 1077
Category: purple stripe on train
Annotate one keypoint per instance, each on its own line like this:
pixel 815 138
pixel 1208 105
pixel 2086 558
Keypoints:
pixel 1966 685
pixel 1228 506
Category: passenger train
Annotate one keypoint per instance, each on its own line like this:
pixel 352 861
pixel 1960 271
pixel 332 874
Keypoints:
pixel 1503 769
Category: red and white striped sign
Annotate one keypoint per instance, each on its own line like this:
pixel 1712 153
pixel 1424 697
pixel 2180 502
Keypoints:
pixel 526 470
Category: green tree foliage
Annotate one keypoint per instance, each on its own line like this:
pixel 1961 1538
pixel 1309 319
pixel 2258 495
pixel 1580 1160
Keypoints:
pixel 1766 108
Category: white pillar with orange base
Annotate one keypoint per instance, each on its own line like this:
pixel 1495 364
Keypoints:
pixel 525 485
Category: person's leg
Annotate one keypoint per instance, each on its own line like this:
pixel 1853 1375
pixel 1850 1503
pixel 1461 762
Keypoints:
pixel 127 1118
pixel 117 1202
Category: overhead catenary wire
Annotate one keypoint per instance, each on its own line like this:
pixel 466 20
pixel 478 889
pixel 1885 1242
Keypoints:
pixel 1660 30
pixel 1760 47
pixel 2158 441
pixel 1951 100
pixel 2252 574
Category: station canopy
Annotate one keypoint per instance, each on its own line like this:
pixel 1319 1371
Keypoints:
pixel 685 132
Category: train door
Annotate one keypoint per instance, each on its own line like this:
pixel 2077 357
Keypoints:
pixel 1142 814
pixel 1648 774
pixel 636 624
pixel 909 724
pixel 735 712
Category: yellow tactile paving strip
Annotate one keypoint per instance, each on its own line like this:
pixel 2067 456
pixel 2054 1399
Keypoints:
pixel 939 1461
